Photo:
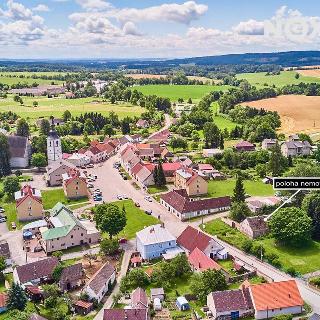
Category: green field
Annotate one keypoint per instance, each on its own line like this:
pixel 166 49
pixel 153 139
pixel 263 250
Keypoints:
pixel 174 92
pixel 304 259
pixel 221 121
pixel 136 219
pixel 56 107
pixel 284 78
pixel 225 188
pixel 26 77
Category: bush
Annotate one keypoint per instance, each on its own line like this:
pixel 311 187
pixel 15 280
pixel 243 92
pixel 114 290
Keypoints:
pixel 247 246
pixel 283 317
pixel 257 249
pixel 292 271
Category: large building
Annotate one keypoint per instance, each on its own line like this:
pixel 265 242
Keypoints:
pixel 178 203
pixel 20 151
pixel 154 241
pixel 191 181
pixel 64 230
pixel 28 203
pixel 55 171
pixel 54 149
pixel 75 184
pixel 295 147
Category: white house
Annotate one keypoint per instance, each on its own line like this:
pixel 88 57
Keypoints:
pixel 101 282
pixel 20 151
pixel 79 160
pixel 154 241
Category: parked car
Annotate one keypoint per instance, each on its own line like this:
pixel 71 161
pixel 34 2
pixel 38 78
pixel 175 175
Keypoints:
pixel 2 210
pixel 3 219
pixel 90 165
pixel 137 204
pixel 91 180
pixel 148 198
pixel 13 225
pixel 119 197
pixel 148 212
pixel 90 185
pixel 125 196
pixel 97 198
pixel 124 177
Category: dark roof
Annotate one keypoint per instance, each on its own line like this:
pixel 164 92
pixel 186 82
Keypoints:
pixel 17 146
pixel 232 300
pixel 128 314
pixel 71 273
pixel 35 316
pixel 53 134
pixel 4 250
pixel 192 238
pixel 179 200
pixel 102 276
pixel 35 270
pixel 257 223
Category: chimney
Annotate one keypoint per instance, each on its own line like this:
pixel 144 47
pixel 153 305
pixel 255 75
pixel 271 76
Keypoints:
pixel 125 314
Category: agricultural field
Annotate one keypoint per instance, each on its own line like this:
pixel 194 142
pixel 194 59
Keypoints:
pixel 16 77
pixel 174 92
pixel 56 107
pixel 310 73
pixel 259 79
pixel 298 113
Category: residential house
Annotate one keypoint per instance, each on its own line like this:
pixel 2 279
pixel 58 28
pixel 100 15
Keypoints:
pixel 56 170
pixel 153 241
pixel 99 151
pixel 191 181
pixel 28 203
pixel 142 174
pixel 210 153
pixel 230 304
pixel 200 262
pixel 206 169
pixel 35 272
pixel 245 146
pixel 34 227
pixel 41 90
pixel 192 238
pixel 276 298
pixel 83 307
pixel 178 203
pixel 65 230
pixel 71 277
pixel 255 204
pixel 142 124
pixel 180 108
pixel 295 147
pixel 5 252
pixel 75 184
pixel 169 170
pixel 3 302
pixel 254 227
pixel 79 160
pixel 182 304
pixel 125 314
pixel 139 299
pixel 268 144
pixel 157 293
pixel 101 282
pixel 20 151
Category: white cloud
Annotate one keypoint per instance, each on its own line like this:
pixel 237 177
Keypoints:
pixel 94 5
pixel 250 27
pixel 41 8
pixel 131 29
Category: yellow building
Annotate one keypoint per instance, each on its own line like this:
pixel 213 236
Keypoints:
pixel 75 184
pixel 28 204
pixel 190 180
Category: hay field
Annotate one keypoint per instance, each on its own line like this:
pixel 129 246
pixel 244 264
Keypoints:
pixel 310 73
pixel 298 113
pixel 145 76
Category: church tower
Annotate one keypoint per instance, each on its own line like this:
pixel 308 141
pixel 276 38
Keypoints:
pixel 54 150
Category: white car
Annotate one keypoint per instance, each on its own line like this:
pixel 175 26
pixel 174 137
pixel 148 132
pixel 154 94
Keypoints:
pixel 148 198
pixel 124 196
pixel 119 197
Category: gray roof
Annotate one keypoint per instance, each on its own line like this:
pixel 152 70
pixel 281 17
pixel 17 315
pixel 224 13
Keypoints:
pixel 18 146
pixel 101 277
pixel 4 250
pixel 155 234
pixel 59 163
pixel 297 144
pixel 156 291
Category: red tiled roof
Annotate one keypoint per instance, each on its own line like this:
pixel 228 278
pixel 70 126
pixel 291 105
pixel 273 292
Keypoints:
pixel 169 167
pixel 276 295
pixel 136 259
pixel 201 262
pixel 125 314
pixel 136 168
pixel 3 300
pixel 139 299
pixel 66 156
pixel 28 192
pixel 205 166
pixel 149 166
pixel 179 200
pixel 191 238
pixel 83 304
pixel 73 175
pixel 244 144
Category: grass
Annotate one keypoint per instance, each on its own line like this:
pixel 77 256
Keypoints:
pixel 155 189
pixel 284 78
pixel 174 92
pixel 51 197
pixel 6 79
pixel 7 277
pixel 136 219
pixel 221 121
pixel 225 188
pixel 56 107
pixel 303 259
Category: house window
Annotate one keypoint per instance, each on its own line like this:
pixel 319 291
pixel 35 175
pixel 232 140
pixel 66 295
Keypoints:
pixel 81 234
pixel 72 236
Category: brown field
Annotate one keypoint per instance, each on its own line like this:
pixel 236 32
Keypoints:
pixel 298 113
pixel 310 73
pixel 145 75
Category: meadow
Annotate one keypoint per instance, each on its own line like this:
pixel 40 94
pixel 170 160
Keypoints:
pixel 26 77
pixel 259 79
pixel 174 92
pixel 56 107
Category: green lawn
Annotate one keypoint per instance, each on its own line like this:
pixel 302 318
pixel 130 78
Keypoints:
pixel 14 78
pixel 155 189
pixel 225 188
pixel 51 197
pixel 284 78
pixel 56 107
pixel 304 259
pixel 221 121
pixel 174 92
pixel 136 219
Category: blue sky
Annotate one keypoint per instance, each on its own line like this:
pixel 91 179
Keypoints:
pixel 154 28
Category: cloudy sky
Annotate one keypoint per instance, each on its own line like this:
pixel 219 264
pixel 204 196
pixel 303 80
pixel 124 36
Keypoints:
pixel 154 28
